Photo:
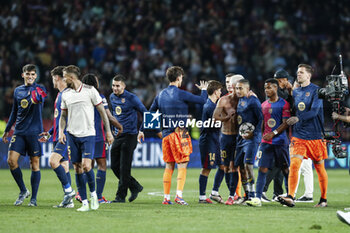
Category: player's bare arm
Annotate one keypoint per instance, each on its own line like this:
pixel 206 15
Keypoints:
pixel 220 111
pixel 62 125
pixel 103 114
pixel 44 137
pixel 5 136
pixel 114 122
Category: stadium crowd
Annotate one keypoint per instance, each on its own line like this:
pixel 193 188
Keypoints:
pixel 141 39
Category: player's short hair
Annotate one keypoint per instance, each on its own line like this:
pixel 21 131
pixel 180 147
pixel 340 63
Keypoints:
pixel 229 75
pixel 119 77
pixel 272 81
pixel 72 70
pixel 90 79
pixel 307 67
pixel 244 81
pixel 58 70
pixel 235 78
pixel 213 86
pixel 173 73
pixel 29 67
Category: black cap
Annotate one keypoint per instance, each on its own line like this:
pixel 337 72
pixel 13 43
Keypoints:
pixel 281 74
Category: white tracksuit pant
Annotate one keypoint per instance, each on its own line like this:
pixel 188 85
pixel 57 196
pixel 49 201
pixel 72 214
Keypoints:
pixel 306 171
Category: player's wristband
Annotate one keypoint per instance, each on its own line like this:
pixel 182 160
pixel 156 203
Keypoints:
pixel 275 132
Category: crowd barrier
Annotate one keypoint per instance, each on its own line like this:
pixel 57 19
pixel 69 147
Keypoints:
pixel 149 155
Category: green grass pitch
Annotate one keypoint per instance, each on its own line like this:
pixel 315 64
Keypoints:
pixel 147 214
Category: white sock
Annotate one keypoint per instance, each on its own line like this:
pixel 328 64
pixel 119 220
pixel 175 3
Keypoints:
pixel 216 193
pixel 167 196
pixel 68 190
pixel 85 202
pixel 202 197
pixel 93 194
pixel 179 193
pixel 231 197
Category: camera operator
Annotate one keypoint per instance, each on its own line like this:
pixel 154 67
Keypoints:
pixel 344 118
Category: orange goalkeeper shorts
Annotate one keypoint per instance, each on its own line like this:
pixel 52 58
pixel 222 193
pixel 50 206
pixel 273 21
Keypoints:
pixel 316 150
pixel 177 146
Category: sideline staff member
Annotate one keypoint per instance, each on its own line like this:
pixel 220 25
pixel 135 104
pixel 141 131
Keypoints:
pixel 125 106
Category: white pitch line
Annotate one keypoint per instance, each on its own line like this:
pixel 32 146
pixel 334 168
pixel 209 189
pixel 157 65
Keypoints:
pixel 161 193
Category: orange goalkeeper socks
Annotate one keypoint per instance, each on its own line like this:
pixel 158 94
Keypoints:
pixel 322 178
pixel 239 185
pixel 181 179
pixel 168 173
pixel 293 175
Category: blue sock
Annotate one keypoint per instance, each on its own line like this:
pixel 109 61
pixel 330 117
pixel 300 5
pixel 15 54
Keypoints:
pixel 232 188
pixel 227 179
pixel 69 178
pixel 260 183
pixel 90 175
pixel 100 182
pixel 35 181
pixel 219 176
pixel 17 175
pixel 203 180
pixel 233 182
pixel 286 181
pixel 61 174
pixel 251 188
pixel 79 179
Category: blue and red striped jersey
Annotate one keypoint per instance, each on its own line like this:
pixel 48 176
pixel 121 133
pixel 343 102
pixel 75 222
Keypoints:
pixel 274 113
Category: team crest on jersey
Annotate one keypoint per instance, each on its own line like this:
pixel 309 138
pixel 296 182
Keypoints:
pixel 270 110
pixel 123 100
pixel 307 94
pixel 24 103
pixel 239 119
pixel 301 106
pixel 211 163
pixel 259 154
pixel 271 122
pixel 118 110
pixel 242 103
pixel 56 113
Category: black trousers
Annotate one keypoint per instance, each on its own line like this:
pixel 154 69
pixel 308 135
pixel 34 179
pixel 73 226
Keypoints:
pixel 276 175
pixel 121 158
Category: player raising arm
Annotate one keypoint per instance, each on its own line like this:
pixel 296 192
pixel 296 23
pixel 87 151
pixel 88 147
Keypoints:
pixel 172 102
pixel 26 112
